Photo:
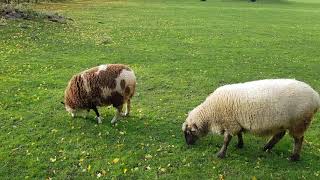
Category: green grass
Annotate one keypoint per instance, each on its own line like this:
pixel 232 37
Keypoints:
pixel 180 51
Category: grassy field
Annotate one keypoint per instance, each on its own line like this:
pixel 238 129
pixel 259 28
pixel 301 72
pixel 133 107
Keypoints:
pixel 180 51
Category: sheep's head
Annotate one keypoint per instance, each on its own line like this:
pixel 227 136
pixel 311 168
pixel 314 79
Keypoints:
pixel 191 133
pixel 69 109
pixel 194 127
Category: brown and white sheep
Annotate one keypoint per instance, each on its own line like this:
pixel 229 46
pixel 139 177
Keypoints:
pixel 104 85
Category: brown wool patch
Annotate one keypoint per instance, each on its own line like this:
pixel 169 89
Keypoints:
pixel 107 77
pixel 75 94
pixel 112 84
pixel 106 101
pixel 133 91
pixel 127 91
pixel 94 84
pixel 123 84
pixel 116 99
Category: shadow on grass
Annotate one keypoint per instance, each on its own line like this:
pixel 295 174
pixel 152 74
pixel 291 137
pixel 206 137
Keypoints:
pixel 274 2
pixel 263 1
pixel 252 152
pixel 284 2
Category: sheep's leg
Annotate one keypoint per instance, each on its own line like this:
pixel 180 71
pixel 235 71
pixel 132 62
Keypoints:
pixel 274 140
pixel 297 133
pixel 117 115
pixel 99 119
pixel 125 111
pixel 226 141
pixel 240 140
pixel 296 149
pixel 127 108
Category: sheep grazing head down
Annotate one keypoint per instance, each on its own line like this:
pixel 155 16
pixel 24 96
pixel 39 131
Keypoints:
pixel 191 133
pixel 73 112
pixel 104 85
pixel 194 127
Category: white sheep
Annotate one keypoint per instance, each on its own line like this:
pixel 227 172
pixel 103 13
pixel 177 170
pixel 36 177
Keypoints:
pixel 109 84
pixel 264 107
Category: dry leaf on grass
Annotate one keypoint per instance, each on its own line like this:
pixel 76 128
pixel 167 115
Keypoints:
pixel 115 160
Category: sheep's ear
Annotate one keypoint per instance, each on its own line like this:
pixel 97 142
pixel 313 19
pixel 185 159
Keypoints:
pixel 184 126
pixel 62 102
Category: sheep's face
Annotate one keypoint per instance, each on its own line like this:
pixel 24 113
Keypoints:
pixel 70 110
pixel 191 133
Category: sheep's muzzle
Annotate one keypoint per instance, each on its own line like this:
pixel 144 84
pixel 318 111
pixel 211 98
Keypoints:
pixel 190 138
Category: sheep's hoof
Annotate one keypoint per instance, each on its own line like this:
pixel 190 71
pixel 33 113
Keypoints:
pixel 266 148
pixel 114 120
pixel 99 119
pixel 221 155
pixel 294 157
pixel 124 114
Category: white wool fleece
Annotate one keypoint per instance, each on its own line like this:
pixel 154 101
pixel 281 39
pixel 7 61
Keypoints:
pixel 262 107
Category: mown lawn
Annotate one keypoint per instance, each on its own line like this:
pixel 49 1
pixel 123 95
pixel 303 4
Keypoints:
pixel 180 51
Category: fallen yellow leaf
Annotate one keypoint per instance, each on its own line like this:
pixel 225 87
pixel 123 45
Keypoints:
pixel 221 177
pixel 53 159
pixel 115 160
pixel 148 156
pixel 103 172
pixel 81 160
